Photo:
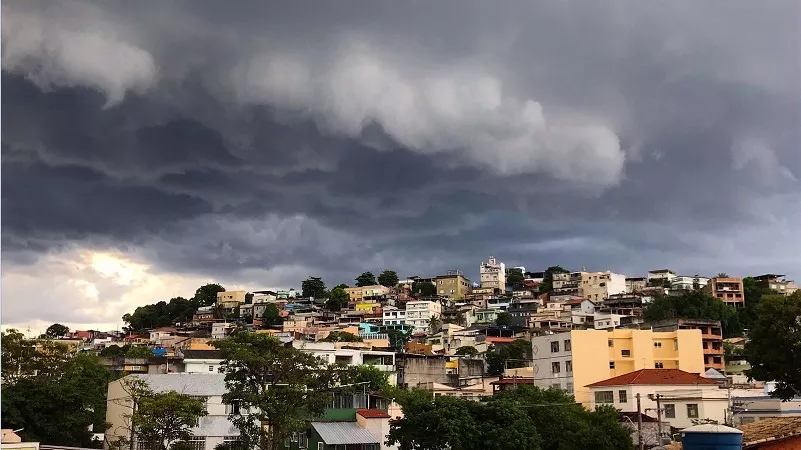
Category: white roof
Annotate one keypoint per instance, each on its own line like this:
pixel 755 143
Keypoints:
pixel 199 384
pixel 343 433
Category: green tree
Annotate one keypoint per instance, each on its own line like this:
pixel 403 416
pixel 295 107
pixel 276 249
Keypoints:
pixel 388 278
pixel 514 276
pixel 434 324
pixel 399 338
pixel 774 345
pixel 161 314
pixel 466 350
pixel 366 279
pixel 166 418
pixel 342 286
pixel 694 305
pixel 337 298
pixel 752 294
pixel 206 295
pixel 271 315
pixel 424 288
pixel 282 387
pixel 313 287
pixel 342 336
pixel 115 351
pixel 547 282
pixel 503 319
pixel 377 380
pixel 56 330
pixel 509 356
pixel 139 351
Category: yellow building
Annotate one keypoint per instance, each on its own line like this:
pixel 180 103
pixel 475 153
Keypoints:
pixel 453 285
pixel 231 299
pixel 367 306
pixel 574 359
pixel 358 294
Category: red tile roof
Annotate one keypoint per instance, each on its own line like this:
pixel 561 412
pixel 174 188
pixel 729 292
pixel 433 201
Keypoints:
pixel 500 339
pixel 372 413
pixel 575 301
pixel 655 376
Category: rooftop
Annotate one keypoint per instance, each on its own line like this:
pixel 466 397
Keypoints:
pixel 196 384
pixel 770 429
pixel 655 377
pixel 201 354
pixel 343 433
pixel 373 413
pixel 513 380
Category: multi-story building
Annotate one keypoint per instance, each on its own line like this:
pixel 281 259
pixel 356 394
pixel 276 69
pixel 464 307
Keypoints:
pixel 420 312
pixel 598 286
pixel 453 285
pixel 662 277
pixel 493 274
pixel 575 359
pixel 231 299
pixel 393 316
pixel 374 292
pixel 729 290
pixel 711 337
pixel 688 283
pixel 635 284
pixel 520 310
pixel 478 296
pixel 776 282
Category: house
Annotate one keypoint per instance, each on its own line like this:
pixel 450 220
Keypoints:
pixel 635 284
pixel 684 397
pixel 776 282
pixel 493 274
pixel 453 285
pixel 212 430
pixel 662 277
pixel 577 358
pixel 201 361
pixel 231 299
pixel 776 433
pixel 420 312
pixel 711 337
pixel 520 310
pixel 349 354
pixel 688 283
pixel 729 290
pixel 372 292
pixel 598 286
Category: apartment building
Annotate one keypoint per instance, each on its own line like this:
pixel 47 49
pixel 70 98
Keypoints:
pixel 572 360
pixel 493 274
pixel 661 276
pixel 598 286
pixel 231 299
pixel 393 316
pixel 711 337
pixel 635 284
pixel 688 283
pixel 373 292
pixel 453 285
pixel 346 353
pixel 776 282
pixel 420 312
pixel 729 290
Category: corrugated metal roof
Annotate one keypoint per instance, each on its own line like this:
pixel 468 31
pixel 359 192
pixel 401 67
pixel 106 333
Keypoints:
pixel 342 433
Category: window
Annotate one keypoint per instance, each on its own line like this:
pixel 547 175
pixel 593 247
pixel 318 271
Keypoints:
pixel 611 364
pixel 670 411
pixel 568 345
pixel 658 365
pixel 211 368
pixel 625 353
pixel 657 344
pixel 622 398
pixel 303 440
pixel 295 437
pixel 232 408
pixel 604 397
pixel 555 347
pixel 320 446
pixel 555 367
pixel 611 344
pixel 568 366
pixel 692 411
pixel 569 388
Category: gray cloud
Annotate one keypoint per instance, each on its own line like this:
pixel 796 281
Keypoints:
pixel 256 145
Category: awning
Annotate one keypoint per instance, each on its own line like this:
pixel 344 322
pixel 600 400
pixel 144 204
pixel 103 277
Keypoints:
pixel 340 433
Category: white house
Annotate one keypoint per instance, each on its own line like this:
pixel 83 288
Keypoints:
pixel 201 361
pixel 393 316
pixel 336 352
pixel 683 396
pixel 688 283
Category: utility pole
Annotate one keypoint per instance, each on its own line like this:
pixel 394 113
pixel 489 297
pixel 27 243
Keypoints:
pixel 659 418
pixel 639 424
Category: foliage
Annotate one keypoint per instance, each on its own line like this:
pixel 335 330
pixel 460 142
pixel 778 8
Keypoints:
pixel 752 294
pixel 388 278
pixel 162 314
pixel 115 351
pixel 524 418
pixel 774 346
pixel 509 356
pixel 337 298
pixel 366 279
pixel 60 403
pixel 722 275
pixel 467 350
pixel 166 418
pixel 398 338
pixel 695 305
pixel 514 276
pixel 503 319
pixel 139 351
pixel 313 287
pixel 547 282
pixel 206 295
pixel 271 315
pixel 434 324
pixel 377 380
pixel 56 330
pixel 280 386
pixel 424 288
pixel 342 285
pixel 342 336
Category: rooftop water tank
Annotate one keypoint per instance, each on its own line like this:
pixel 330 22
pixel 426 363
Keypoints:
pixel 711 437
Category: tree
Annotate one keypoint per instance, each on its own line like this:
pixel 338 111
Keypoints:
pixel 752 294
pixel 271 315
pixel 162 314
pixel 342 336
pixel 282 387
pixel 337 298
pixel 366 279
pixel 115 351
pixel 466 350
pixel 139 351
pixel 509 356
pixel 723 275
pixel 206 295
pixel 313 287
pixel 342 286
pixel 377 380
pixel 424 288
pixel 399 338
pixel 166 418
pixel 388 278
pixel 56 330
pixel 774 346
pixel 503 319
pixel 434 324
pixel 694 305
pixel 547 282
pixel 514 276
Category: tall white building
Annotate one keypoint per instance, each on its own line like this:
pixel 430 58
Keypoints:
pixel 493 274
pixel 420 312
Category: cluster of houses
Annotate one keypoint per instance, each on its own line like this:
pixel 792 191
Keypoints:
pixel 587 333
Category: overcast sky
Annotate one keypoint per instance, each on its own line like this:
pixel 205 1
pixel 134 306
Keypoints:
pixel 149 147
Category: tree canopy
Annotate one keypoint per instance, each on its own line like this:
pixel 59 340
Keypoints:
pixel 56 330
pixel 206 295
pixel 271 315
pixel 377 380
pixel 526 418
pixel 366 279
pixel 467 350
pixel 511 356
pixel 388 278
pixel 337 298
pixel 342 336
pixel 694 305
pixel 774 345
pixel 547 282
pixel 166 418
pixel 313 287
pixel 503 319
pixel 514 276
pixel 161 314
pixel 424 288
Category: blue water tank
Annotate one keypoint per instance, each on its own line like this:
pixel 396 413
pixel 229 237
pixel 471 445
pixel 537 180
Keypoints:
pixel 711 437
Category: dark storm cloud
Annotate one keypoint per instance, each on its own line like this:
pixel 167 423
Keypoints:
pixel 336 137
